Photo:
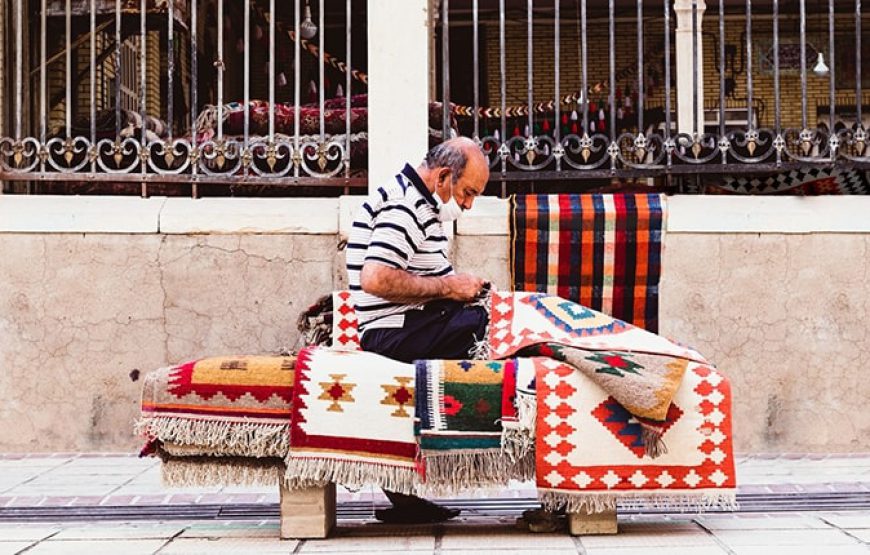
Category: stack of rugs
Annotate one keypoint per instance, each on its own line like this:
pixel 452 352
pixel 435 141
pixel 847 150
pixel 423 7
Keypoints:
pixel 595 410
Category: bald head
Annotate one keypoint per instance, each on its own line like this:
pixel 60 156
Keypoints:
pixel 461 160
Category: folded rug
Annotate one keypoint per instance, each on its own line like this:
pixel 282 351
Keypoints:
pixel 589 452
pixel 353 421
pixel 222 406
pixel 462 406
pixel 640 369
pixel 601 251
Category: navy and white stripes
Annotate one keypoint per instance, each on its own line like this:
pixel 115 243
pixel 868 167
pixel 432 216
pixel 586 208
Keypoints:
pixel 398 227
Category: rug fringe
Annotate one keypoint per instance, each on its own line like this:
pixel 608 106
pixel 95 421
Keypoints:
pixel 653 444
pixel 305 472
pixel 455 471
pixel 480 350
pixel 184 472
pixel 243 439
pixel 596 502
pixel 518 437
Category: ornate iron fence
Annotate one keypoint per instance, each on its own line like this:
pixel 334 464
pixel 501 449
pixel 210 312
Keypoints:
pixel 70 124
pixel 600 138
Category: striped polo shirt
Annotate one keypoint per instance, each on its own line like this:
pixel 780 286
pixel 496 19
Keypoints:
pixel 397 226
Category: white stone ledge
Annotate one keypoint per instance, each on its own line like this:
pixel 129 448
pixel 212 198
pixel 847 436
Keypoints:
pixel 758 214
pixel 74 214
pixel 309 216
pixel 718 214
pixel 686 214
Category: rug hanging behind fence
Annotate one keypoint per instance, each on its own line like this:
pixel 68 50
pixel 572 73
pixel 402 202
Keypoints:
pixel 602 251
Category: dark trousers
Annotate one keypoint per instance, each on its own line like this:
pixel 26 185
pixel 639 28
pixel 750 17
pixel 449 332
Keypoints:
pixel 442 329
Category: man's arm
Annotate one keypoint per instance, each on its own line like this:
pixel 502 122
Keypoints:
pixel 401 286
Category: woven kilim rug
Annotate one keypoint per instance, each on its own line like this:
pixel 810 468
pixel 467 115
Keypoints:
pixel 601 251
pixel 640 369
pixel 589 452
pixel 461 407
pixel 353 421
pixel 231 406
pixel 807 181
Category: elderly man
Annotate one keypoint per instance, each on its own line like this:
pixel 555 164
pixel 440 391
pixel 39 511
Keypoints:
pixel 409 301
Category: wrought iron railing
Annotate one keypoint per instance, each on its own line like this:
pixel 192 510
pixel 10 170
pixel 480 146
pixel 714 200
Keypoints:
pixel 530 140
pixel 71 125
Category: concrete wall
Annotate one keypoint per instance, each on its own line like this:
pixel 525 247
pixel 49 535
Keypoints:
pixel 774 291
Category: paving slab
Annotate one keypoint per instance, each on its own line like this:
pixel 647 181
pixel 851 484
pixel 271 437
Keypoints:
pixel 89 547
pixel 13 548
pixel 782 538
pixel 228 546
pixel 120 531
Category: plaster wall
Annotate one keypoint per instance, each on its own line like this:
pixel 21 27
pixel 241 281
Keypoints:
pixel 776 295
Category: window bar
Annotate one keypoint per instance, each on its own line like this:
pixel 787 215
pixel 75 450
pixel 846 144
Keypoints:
pixel 19 61
pixel 695 70
pixel 219 66
pixel 476 56
pixel 43 112
pixel 143 70
pixel 722 75
pixel 667 10
pixel 803 20
pixel 321 72
pixel 170 66
pixel 503 92
pixel 297 76
pixel 831 58
pixel 68 63
pixel 246 38
pixel 143 107
pixel 584 93
pixel 612 52
pixel 557 105
pixel 445 69
pixel 93 75
pixel 859 101
pixel 530 66
pixel 348 94
pixel 193 95
pixel 272 71
pixel 117 69
pixel 749 83
pixel 776 93
pixel 640 73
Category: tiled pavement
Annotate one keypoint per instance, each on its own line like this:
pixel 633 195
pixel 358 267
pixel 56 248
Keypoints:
pixel 78 480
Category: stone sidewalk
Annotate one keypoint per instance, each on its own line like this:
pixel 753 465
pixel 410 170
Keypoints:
pixel 84 480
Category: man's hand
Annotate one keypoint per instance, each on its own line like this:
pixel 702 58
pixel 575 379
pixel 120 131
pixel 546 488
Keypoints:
pixel 463 287
pixel 401 286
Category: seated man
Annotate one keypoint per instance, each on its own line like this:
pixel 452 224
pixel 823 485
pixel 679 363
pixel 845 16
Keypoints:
pixel 409 301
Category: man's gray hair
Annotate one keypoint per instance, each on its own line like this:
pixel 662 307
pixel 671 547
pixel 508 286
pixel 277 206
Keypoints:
pixel 447 155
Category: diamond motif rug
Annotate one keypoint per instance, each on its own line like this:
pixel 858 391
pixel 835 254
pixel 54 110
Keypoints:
pixel 589 454
pixel 227 406
pixel 353 421
pixel 600 250
pixel 640 369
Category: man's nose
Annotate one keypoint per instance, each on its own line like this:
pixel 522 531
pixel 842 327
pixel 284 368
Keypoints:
pixel 467 203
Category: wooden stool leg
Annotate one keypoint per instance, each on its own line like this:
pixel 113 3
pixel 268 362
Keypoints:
pixel 307 512
pixel 582 524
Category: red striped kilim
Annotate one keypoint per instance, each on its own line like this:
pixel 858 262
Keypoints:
pixel 601 251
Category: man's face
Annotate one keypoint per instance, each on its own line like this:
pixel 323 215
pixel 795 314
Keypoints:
pixel 471 185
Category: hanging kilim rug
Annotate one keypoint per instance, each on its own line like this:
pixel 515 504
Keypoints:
pixel 234 405
pixel 602 251
pixel 640 369
pixel 589 452
pixel 461 408
pixel 353 421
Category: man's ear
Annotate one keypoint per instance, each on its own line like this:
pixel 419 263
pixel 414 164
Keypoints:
pixel 443 175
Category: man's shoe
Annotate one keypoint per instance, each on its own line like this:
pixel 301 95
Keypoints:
pixel 418 513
